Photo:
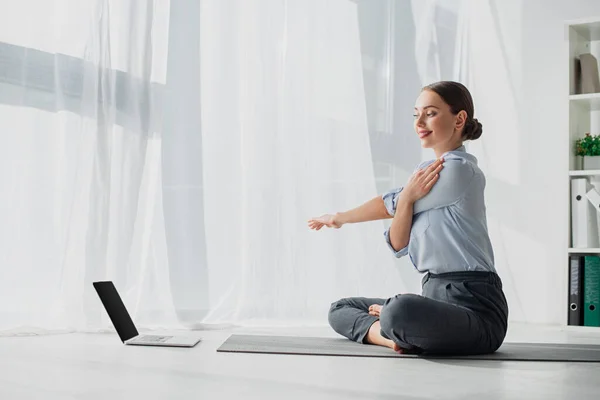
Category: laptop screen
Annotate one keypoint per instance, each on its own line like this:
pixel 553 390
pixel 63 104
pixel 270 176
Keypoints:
pixel 116 310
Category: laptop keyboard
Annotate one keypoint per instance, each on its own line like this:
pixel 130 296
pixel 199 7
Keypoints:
pixel 153 339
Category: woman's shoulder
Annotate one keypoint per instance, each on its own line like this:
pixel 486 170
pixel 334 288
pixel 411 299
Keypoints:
pixel 460 163
pixel 460 154
pixel 463 166
pixel 460 169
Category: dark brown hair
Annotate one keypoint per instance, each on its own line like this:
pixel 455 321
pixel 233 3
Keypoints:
pixel 457 96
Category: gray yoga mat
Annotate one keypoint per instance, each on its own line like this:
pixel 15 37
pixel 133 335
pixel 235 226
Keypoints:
pixel 345 347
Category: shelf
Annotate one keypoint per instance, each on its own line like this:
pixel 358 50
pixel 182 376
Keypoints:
pixel 589 29
pixel 591 250
pixel 575 328
pixel 586 172
pixel 589 101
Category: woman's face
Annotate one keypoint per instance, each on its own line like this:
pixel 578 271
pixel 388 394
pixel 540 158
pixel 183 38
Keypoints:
pixel 435 124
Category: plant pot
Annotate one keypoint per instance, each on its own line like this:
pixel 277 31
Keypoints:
pixel 591 162
pixel 578 163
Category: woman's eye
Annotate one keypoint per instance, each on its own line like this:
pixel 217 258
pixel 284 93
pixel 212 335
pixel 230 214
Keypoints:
pixel 432 114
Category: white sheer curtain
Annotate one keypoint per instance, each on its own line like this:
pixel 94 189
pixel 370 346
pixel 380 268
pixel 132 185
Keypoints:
pixel 285 137
pixel 178 149
pixel 80 162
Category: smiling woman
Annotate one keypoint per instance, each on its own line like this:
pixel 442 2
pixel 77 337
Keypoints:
pixel 439 220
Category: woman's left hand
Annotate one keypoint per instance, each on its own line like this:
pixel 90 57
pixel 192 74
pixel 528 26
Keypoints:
pixel 421 182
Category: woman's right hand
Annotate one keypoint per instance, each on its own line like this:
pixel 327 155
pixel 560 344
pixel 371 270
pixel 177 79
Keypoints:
pixel 328 220
pixel 421 182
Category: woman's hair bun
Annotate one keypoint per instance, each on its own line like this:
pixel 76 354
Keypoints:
pixel 473 129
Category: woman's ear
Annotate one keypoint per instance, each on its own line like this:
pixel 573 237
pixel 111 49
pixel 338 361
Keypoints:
pixel 461 120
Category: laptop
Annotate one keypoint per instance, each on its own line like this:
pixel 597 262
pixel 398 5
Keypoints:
pixel 124 325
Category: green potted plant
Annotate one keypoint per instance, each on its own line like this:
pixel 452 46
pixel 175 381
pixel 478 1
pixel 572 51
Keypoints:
pixel 589 148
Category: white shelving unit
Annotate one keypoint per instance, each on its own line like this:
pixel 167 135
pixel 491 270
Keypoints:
pixel 591 250
pixel 588 102
pixel 589 172
pixel 583 36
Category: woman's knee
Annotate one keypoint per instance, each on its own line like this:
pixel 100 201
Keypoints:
pixel 336 306
pixel 399 311
pixel 341 318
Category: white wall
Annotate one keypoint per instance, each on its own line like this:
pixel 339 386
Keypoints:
pixel 527 192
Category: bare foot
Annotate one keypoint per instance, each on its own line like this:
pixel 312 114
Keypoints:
pixel 375 310
pixel 374 334
pixel 397 348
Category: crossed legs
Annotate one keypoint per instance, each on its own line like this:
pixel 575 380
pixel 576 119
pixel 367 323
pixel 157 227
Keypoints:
pixel 409 323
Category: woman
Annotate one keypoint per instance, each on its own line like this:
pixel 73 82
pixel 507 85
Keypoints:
pixel 439 220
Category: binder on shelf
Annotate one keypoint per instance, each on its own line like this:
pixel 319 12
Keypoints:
pixel 584 220
pixel 591 291
pixel 576 268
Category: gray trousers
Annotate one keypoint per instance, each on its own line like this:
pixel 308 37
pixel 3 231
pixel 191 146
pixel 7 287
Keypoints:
pixel 457 313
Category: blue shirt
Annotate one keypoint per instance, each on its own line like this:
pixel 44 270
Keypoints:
pixel 449 229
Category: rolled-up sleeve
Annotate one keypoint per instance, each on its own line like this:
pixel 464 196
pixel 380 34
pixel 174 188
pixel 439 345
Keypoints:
pixel 400 253
pixel 390 199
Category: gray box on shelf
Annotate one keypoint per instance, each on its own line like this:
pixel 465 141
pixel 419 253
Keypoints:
pixel 590 80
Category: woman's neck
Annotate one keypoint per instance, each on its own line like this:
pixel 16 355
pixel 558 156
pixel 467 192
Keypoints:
pixel 441 150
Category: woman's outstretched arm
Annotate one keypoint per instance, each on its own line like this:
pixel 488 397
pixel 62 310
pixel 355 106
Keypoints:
pixel 372 210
